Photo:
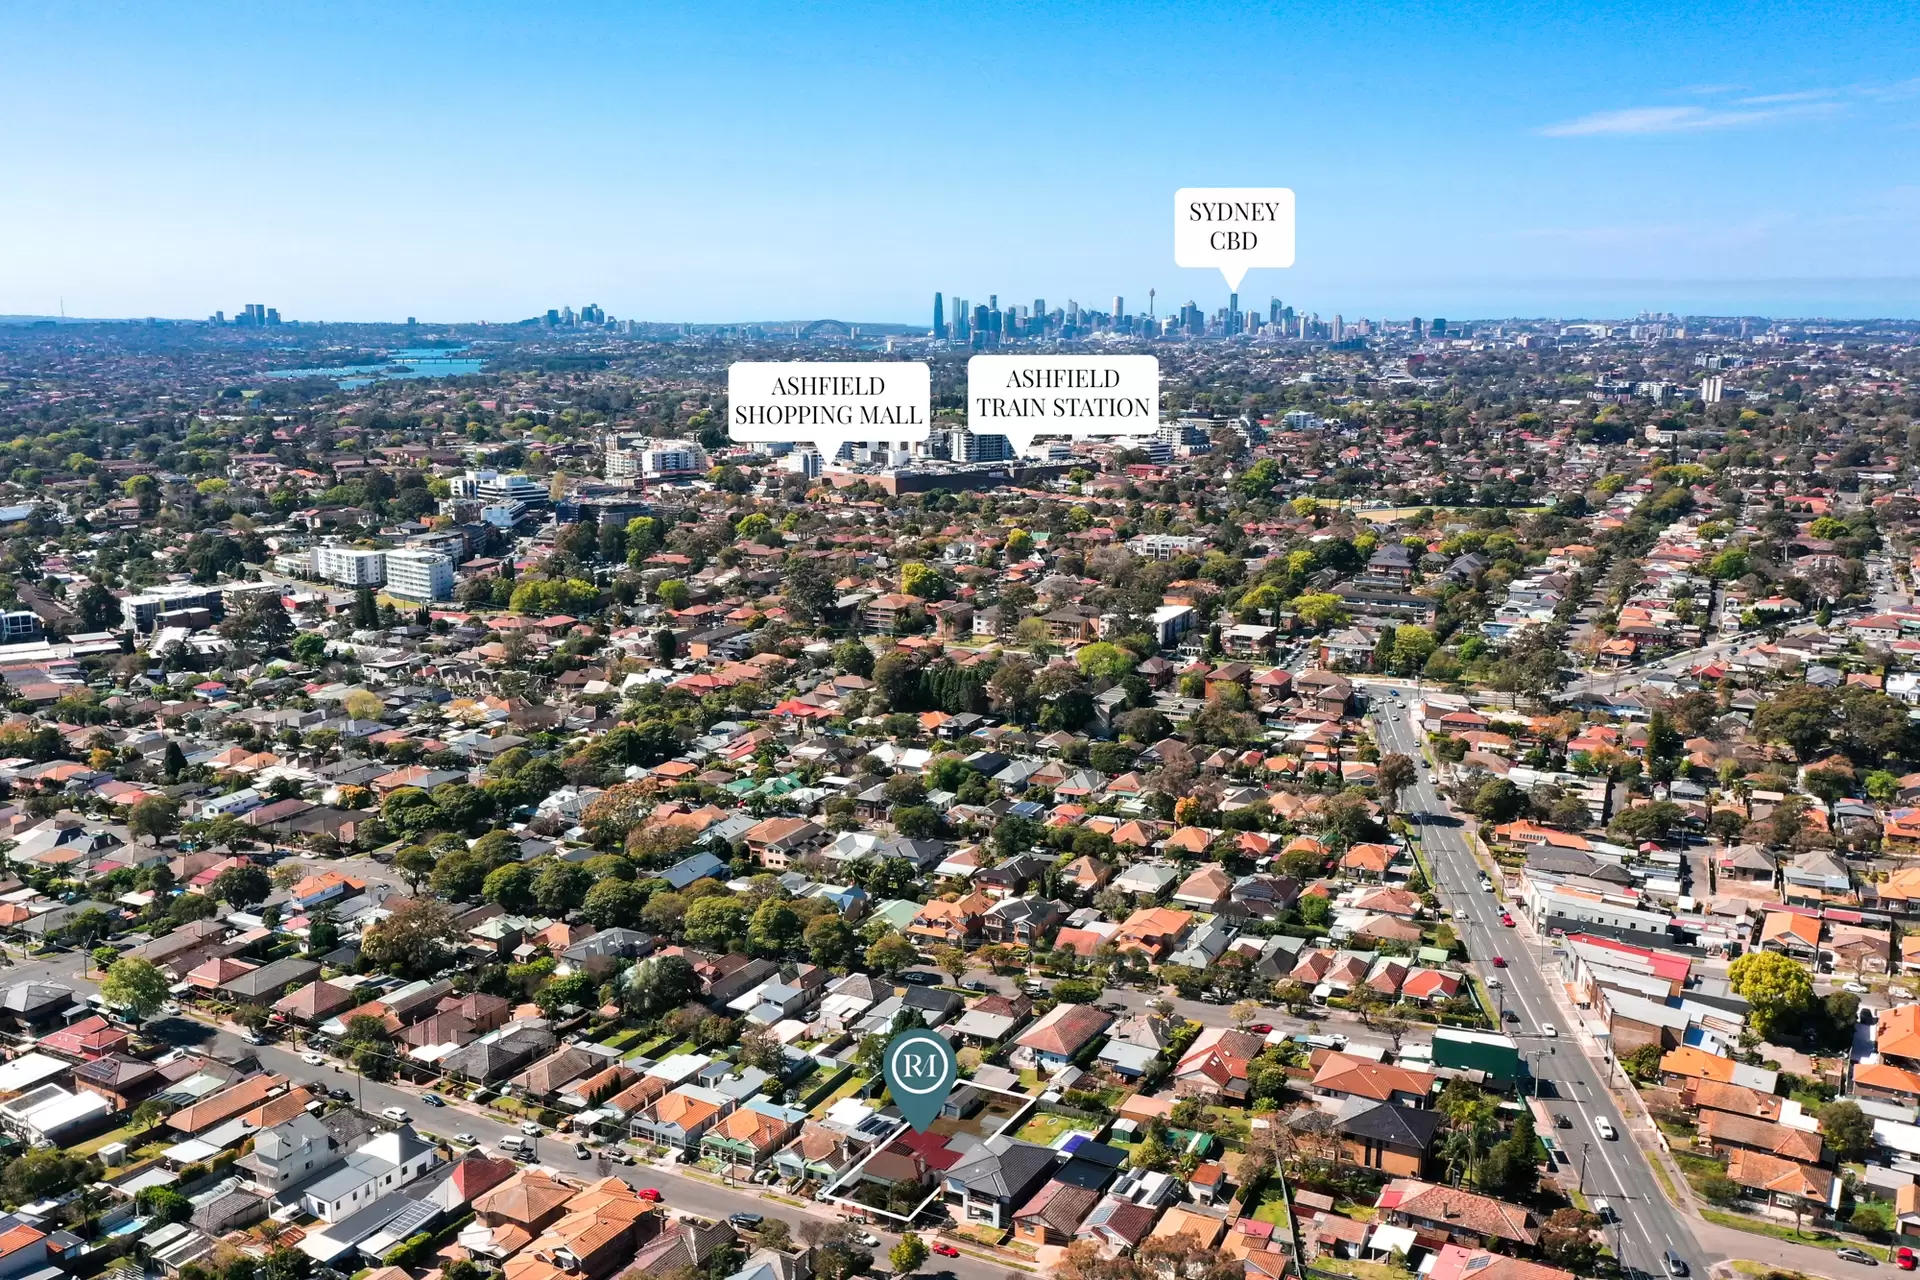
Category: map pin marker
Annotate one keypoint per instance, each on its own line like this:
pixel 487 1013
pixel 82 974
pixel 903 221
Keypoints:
pixel 920 1069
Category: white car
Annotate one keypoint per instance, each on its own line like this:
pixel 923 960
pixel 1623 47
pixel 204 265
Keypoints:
pixel 1604 1127
pixel 394 1113
pixel 1602 1210
pixel 529 1128
pixel 466 1139
pixel 1856 988
pixel 313 1060
pixel 1550 1031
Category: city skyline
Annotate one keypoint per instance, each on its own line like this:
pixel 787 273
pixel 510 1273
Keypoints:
pixel 708 165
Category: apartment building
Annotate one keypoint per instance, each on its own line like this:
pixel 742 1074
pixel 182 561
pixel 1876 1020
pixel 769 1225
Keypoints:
pixel 419 575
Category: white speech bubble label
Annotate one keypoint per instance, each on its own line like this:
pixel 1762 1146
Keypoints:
pixel 829 402
pixel 1021 397
pixel 1233 228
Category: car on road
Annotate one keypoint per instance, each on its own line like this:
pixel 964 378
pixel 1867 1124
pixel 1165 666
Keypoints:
pixel 529 1128
pixel 394 1113
pixel 619 1155
pixel 920 979
pixel 313 1060
pixel 433 1100
pixel 1860 1256
pixel 1602 1210
pixel 1604 1127
pixel 466 1139
pixel 1508 1015
pixel 1562 1121
pixel 1547 1029
pixel 340 1095
pixel 1675 1264
pixel 580 1151
pixel 1113 1007
pixel 1486 885
pixel 255 1038
pixel 1506 920
pixel 1499 962
pixel 867 1238
pixel 946 1251
pixel 745 1221
pixel 650 1194
pixel 1905 1258
pixel 1856 988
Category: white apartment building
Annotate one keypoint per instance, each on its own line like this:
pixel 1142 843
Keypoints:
pixel 419 575
pixel 630 455
pixel 350 566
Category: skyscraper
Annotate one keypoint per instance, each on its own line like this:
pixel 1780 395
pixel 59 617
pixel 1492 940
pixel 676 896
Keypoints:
pixel 939 318
pixel 1273 311
pixel 1119 307
pixel 1339 328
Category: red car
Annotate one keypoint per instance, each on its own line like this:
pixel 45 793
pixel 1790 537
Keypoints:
pixel 1506 920
pixel 1905 1259
pixel 946 1251
pixel 1499 962
pixel 1261 1029
pixel 648 1193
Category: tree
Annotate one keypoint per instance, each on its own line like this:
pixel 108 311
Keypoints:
pixel 1498 800
pixel 416 863
pixel 413 941
pixel 920 580
pixel 673 593
pixel 242 886
pixel 774 929
pixel 1654 821
pixel 460 876
pixel 138 986
pixel 614 904
pixel 717 921
pixel 156 817
pixel 1394 774
pixel 1776 987
pixel 323 932
pixel 660 983
pixel 561 887
pixel 1103 661
pixel 1567 1240
pixel 908 1256
pixel 510 887
pixel 1799 715
pixel 953 961
pixel 891 954
pixel 1848 1132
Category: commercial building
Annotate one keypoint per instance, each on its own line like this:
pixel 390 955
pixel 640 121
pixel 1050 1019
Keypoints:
pixel 499 487
pixel 421 576
pixel 628 456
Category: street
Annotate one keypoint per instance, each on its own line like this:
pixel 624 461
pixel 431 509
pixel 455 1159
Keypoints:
pixel 1646 1223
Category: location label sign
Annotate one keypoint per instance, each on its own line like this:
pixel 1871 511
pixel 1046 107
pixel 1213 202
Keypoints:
pixel 1021 397
pixel 885 402
pixel 1233 228
pixel 920 1069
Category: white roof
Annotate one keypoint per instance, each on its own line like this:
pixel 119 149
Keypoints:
pixel 29 1069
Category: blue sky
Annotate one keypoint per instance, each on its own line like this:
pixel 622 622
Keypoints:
pixel 719 161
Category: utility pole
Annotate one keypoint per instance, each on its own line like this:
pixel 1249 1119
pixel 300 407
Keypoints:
pixel 1583 1167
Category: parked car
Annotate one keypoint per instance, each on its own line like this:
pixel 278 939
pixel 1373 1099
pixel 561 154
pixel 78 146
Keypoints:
pixel 649 1194
pixel 946 1251
pixel 394 1113
pixel 580 1151
pixel 313 1060
pixel 433 1100
pixel 529 1128
pixel 1506 920
pixel 1261 1029
pixel 619 1155
pixel 746 1221
pixel 340 1095
pixel 868 1239
pixel 1860 1256
pixel 466 1139
pixel 1905 1258
pixel 1561 1121
pixel 1602 1210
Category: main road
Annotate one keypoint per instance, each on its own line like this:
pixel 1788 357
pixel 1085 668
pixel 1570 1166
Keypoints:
pixel 1616 1169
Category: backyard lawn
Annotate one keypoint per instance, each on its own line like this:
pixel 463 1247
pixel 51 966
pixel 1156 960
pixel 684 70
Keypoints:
pixel 1046 1129
pixel 1272 1207
pixel 853 1084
